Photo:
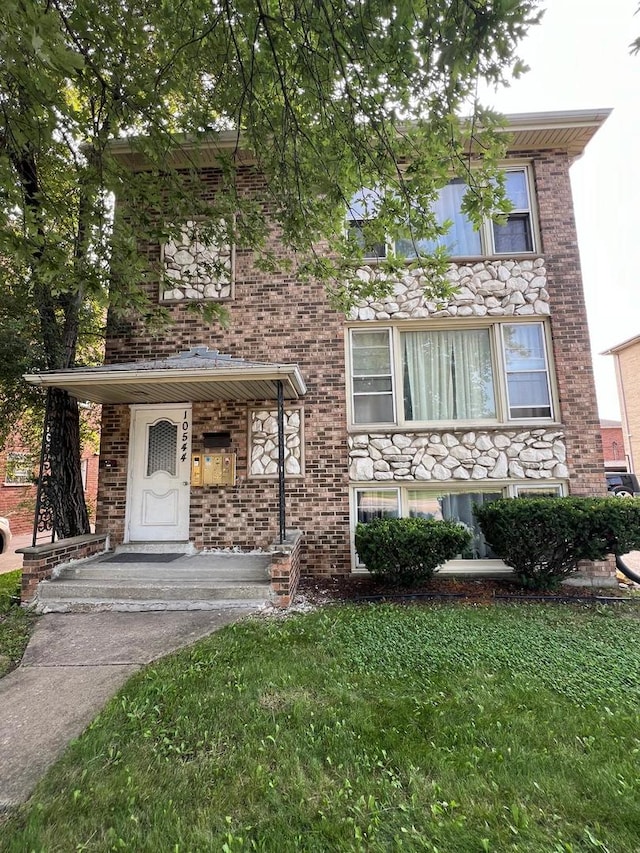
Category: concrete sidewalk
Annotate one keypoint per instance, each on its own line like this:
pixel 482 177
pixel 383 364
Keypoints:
pixel 73 664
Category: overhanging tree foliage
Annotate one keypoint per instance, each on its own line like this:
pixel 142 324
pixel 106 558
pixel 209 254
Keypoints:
pixel 328 96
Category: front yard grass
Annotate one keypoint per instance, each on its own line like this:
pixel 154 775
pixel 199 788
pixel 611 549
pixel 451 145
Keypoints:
pixel 372 728
pixel 16 623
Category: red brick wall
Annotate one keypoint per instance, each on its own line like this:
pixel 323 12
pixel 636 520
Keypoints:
pixel 271 319
pixel 276 318
pixel 613 445
pixel 572 353
pixel 17 503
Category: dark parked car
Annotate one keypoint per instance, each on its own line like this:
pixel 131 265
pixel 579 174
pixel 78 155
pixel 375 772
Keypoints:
pixel 623 485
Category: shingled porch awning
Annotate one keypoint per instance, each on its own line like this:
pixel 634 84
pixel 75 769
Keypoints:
pixel 198 375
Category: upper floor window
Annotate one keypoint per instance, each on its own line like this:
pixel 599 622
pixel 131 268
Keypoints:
pixel 361 216
pixel 514 237
pixel 495 372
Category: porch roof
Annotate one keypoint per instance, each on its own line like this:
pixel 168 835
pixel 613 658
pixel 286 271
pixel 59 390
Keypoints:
pixel 198 375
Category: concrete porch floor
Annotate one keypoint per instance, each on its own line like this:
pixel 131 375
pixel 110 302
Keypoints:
pixel 147 581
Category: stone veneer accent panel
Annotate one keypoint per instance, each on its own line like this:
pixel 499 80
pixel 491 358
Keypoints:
pixel 200 271
pixel 535 454
pixel 484 289
pixel 264 443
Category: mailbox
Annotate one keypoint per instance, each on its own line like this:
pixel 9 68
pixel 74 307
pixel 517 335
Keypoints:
pixel 213 469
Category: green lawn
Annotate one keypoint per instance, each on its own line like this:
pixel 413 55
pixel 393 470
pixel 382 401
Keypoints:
pixel 15 622
pixel 372 728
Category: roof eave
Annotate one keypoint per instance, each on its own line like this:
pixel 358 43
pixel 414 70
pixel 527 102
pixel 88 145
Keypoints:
pixel 577 127
pixel 101 385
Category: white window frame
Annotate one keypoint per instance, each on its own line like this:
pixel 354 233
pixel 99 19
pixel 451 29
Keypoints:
pixel 546 371
pixel 487 233
pixel 497 362
pixel 489 225
pixel 538 487
pixel 392 361
pixel 478 567
pixel 352 222
pixel 19 461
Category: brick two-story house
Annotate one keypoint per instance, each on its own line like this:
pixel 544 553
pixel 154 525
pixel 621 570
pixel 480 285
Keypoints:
pixel 406 406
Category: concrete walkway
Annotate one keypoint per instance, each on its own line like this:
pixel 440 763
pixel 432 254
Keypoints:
pixel 73 664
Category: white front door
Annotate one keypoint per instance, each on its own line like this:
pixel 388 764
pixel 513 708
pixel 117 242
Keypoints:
pixel 159 467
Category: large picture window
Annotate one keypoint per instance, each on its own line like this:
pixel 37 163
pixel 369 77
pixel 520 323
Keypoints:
pixel 494 373
pixel 448 375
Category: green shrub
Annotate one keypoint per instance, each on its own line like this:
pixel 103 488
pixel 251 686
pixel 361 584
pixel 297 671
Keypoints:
pixel 406 550
pixel 617 524
pixel 544 539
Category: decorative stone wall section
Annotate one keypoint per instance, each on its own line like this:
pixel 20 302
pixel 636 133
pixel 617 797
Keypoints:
pixel 536 454
pixel 264 443
pixel 486 289
pixel 200 271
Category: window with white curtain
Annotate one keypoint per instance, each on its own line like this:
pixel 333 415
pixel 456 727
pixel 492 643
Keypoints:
pixel 513 237
pixel 494 373
pixel 448 375
pixel 460 240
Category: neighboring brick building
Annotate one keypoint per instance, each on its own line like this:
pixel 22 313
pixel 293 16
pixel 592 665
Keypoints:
pixel 615 458
pixel 626 357
pixel 404 407
pixel 18 474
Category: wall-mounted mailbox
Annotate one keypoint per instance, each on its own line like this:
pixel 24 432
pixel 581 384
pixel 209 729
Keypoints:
pixel 214 440
pixel 213 469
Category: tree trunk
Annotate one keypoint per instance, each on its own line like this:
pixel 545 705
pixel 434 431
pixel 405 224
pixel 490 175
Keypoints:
pixel 62 495
pixel 61 502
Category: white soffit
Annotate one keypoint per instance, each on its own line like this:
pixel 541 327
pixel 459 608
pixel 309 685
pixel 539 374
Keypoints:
pixel 196 376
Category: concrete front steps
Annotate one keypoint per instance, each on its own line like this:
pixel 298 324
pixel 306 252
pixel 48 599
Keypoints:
pixel 144 581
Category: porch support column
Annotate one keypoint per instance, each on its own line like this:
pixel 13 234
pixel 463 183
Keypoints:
pixel 281 492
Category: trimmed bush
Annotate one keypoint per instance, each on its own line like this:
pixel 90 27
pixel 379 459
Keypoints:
pixel 544 539
pixel 403 551
pixel 617 524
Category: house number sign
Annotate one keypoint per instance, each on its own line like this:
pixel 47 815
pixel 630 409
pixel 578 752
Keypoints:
pixel 185 436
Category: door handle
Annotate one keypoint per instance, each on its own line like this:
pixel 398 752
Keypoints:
pixel 185 482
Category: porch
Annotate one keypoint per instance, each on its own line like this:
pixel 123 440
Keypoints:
pixel 81 574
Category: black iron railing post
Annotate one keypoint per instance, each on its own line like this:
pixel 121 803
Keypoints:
pixel 43 519
pixel 281 490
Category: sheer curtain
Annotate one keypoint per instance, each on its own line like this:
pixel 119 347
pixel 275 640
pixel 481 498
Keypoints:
pixel 460 240
pixel 448 375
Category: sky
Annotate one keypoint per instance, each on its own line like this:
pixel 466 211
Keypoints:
pixel 579 59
